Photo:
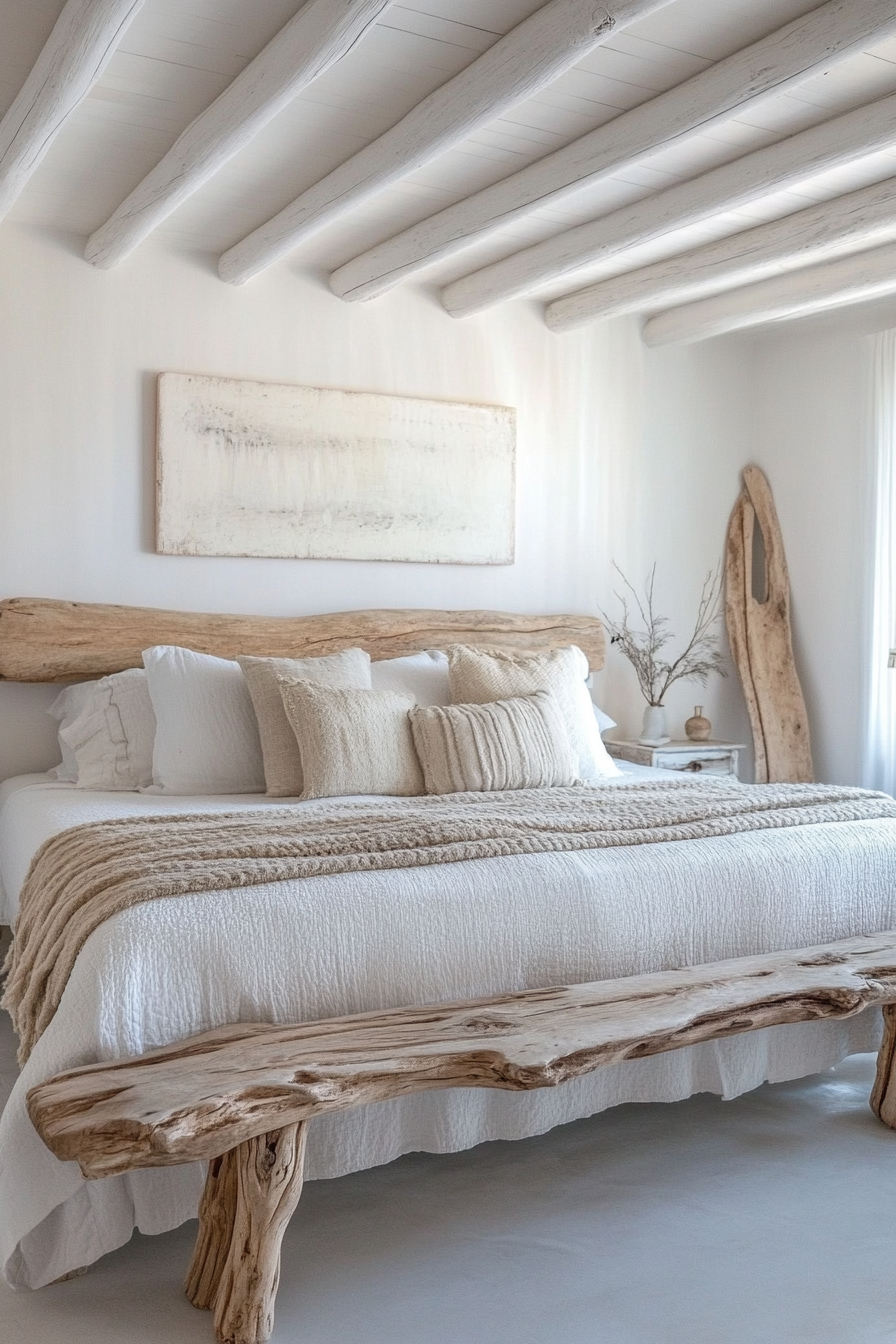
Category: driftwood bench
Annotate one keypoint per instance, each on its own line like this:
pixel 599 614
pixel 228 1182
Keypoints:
pixel 242 1096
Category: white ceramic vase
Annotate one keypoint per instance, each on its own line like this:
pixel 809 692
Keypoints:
pixel 653 729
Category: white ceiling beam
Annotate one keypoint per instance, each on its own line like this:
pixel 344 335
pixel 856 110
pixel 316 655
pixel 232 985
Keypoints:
pixel 530 56
pixel 827 230
pixel 74 56
pixel 865 130
pixel 852 279
pixel 313 40
pixel 806 46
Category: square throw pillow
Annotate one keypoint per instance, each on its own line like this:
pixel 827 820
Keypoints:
pixel 68 704
pixel 352 741
pixel 521 743
pixel 112 738
pixel 279 748
pixel 422 675
pixel 206 734
pixel 478 676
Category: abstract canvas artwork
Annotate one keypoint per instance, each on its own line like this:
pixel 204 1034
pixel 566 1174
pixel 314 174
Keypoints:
pixel 270 469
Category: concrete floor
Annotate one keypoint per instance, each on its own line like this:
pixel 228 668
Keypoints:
pixel 767 1219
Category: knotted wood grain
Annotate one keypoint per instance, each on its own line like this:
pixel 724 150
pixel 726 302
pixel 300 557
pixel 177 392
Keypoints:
pixel 201 1097
pixel 47 640
pixel 760 639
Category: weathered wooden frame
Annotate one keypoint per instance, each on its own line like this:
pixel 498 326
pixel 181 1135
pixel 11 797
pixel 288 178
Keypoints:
pixel 46 640
pixel 242 1095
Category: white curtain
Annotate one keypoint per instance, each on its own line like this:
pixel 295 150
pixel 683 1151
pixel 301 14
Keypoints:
pixel 880 740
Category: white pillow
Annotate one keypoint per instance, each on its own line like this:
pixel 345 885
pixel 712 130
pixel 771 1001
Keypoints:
pixel 604 722
pixel 206 733
pixel 112 737
pixel 422 675
pixel 68 704
pixel 479 676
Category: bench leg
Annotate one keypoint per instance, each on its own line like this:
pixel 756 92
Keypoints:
pixel 249 1197
pixel 216 1210
pixel 883 1094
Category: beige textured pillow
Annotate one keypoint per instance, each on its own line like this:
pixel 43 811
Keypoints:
pixel 279 749
pixel 478 676
pixel 509 744
pixel 352 741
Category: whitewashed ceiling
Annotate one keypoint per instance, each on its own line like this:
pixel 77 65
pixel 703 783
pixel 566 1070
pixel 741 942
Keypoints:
pixel 177 56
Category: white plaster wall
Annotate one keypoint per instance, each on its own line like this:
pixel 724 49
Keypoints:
pixel 623 453
pixel 812 437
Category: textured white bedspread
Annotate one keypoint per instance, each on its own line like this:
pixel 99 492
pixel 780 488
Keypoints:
pixel 333 945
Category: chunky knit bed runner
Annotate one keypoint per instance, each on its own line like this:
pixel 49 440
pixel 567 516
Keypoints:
pixel 83 876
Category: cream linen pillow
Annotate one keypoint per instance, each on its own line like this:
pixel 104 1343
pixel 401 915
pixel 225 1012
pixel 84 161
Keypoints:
pixel 352 741
pixel 477 676
pixel 112 738
pixel 282 761
pixel 520 743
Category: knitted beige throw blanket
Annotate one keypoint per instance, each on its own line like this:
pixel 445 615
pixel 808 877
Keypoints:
pixel 83 876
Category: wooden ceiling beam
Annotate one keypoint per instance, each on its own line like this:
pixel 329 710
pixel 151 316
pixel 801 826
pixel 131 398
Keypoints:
pixel 802 48
pixel 826 230
pixel 863 131
pixel 852 279
pixel 529 57
pixel 74 56
pixel 313 40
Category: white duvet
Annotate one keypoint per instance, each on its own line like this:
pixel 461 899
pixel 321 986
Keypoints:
pixel 346 943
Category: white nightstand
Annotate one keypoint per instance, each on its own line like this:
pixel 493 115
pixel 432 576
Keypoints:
pixel 687 757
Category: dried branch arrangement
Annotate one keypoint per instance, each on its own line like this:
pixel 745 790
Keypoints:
pixel 642 636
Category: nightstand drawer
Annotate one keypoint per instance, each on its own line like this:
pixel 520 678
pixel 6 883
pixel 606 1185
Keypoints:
pixel 686 763
pixel 685 757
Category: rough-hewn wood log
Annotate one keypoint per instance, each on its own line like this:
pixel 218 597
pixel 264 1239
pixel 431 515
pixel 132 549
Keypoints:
pixel 802 48
pixel 74 56
pixel 852 279
pixel 313 40
pixel 203 1096
pixel 760 639
pixel 268 1186
pixel 530 56
pixel 217 1212
pixel 883 1094
pixel 44 640
pixel 760 173
pixel 824 231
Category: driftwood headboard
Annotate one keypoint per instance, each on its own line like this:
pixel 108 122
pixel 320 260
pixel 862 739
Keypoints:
pixel 43 640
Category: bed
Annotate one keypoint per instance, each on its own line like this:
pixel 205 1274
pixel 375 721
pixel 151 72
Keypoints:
pixel 330 945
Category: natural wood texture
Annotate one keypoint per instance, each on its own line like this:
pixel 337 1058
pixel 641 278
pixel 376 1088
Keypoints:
pixel 217 1212
pixel 823 231
pixel 242 1095
pixel 773 168
pixel 530 56
pixel 883 1094
pixel 313 40
pixel 45 640
pixel 204 1096
pixel 74 56
pixel 759 635
pixel 268 1185
pixel 863 275
pixel 802 48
